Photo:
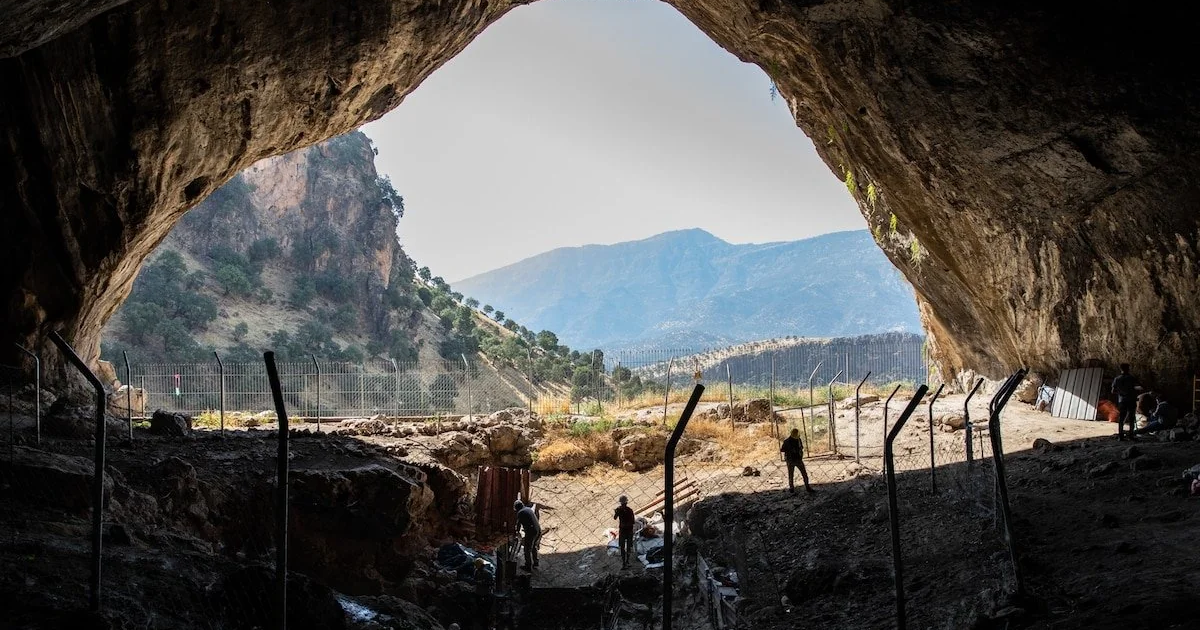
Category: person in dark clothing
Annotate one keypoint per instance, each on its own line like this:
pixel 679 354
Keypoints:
pixel 1162 418
pixel 1125 387
pixel 484 587
pixel 528 521
pixel 793 454
pixel 625 519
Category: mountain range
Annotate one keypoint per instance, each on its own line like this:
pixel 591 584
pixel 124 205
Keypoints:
pixel 690 288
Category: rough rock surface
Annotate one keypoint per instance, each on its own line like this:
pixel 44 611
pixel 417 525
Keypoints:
pixel 170 424
pixel 641 451
pixel 1034 159
pixel 50 479
pixel 562 457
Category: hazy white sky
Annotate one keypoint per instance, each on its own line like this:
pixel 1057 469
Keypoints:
pixel 571 122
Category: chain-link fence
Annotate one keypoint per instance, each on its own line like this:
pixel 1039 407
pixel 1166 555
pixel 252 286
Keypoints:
pixel 793 373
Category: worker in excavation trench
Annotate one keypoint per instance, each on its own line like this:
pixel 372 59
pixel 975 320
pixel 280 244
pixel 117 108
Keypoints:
pixel 1125 386
pixel 793 454
pixel 528 521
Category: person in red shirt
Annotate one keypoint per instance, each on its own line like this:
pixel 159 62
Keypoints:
pixel 624 516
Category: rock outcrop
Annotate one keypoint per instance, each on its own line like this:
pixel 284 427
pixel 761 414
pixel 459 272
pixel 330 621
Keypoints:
pixel 1026 165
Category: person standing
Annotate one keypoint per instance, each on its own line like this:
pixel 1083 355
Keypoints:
pixel 625 519
pixel 793 453
pixel 1125 387
pixel 484 587
pixel 528 521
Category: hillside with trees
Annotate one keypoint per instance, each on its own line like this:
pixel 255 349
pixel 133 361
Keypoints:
pixel 298 254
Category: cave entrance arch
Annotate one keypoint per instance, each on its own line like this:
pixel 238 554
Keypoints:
pixel 1039 156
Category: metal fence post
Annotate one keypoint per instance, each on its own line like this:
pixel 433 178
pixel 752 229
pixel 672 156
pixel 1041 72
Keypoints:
pixel 669 501
pixel 667 393
pixel 771 397
pixel 281 507
pixel 932 462
pixel 318 368
pixel 893 507
pixel 857 416
pixel 362 389
pixel 98 463
pixel 885 412
pixel 220 375
pixel 832 421
pixel 1005 393
pixel 729 380
pixel 596 381
pixel 467 367
pixel 396 387
pixel 37 375
pixel 811 403
pixel 967 423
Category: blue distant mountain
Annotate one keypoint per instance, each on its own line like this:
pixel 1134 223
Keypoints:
pixel 690 288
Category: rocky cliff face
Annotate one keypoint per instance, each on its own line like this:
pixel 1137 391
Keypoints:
pixel 1036 157
pixel 308 237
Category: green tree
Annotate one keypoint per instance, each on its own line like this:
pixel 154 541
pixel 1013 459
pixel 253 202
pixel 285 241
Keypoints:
pixel 456 296
pixel 233 280
pixel 547 340
pixel 264 249
pixel 424 273
pixel 240 331
pixel 472 302
pixel 487 309
pixel 303 291
pixel 390 198
pixel 425 295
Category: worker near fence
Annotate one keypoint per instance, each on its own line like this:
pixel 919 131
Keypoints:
pixel 528 521
pixel 793 454
pixel 1125 387
pixel 625 519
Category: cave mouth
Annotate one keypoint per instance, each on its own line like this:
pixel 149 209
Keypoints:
pixel 1028 168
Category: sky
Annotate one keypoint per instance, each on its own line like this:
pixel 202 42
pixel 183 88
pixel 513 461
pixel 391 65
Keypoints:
pixel 574 122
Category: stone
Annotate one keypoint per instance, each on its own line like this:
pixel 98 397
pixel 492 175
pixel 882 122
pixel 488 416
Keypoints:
pixel 107 374
pixel 1131 452
pixel 1042 445
pixel 641 451
pixel 1027 391
pixel 952 422
pixel 126 398
pixel 51 479
pixel 562 457
pixel 722 410
pixel 758 410
pixel 1103 470
pixel 460 450
pixel 372 426
pixel 750 471
pixel 1146 463
pixel 863 400
pixel 170 424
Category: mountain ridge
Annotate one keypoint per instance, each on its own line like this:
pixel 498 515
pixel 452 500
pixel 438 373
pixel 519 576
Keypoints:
pixel 683 282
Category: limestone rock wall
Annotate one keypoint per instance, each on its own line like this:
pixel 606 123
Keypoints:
pixel 1026 165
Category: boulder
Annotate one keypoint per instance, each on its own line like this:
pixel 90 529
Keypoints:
pixel 641 451
pixel 459 450
pixel 1042 445
pixel 758 410
pixel 509 445
pixel 170 424
pixel 1146 463
pixel 125 398
pixel 372 426
pixel 562 457
pixel 1027 391
pixel 107 374
pixel 51 479
pixel 862 400
pixel 952 422
pixel 722 411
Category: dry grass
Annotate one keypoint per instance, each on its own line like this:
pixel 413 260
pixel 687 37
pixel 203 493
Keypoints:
pixel 233 419
pixel 740 443
pixel 785 397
